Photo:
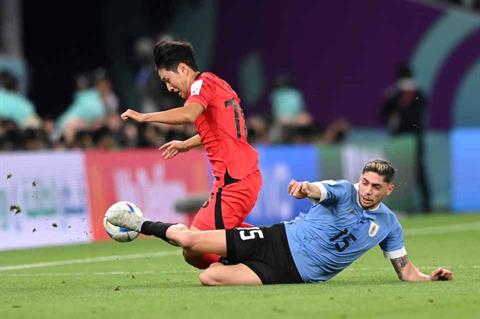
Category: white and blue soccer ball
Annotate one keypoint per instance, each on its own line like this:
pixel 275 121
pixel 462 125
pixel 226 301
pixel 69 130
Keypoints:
pixel 119 233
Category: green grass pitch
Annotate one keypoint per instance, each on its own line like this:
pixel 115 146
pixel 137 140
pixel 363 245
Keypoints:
pixel 149 279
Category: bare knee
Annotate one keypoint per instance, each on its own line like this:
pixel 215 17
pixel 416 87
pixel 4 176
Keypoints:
pixel 208 278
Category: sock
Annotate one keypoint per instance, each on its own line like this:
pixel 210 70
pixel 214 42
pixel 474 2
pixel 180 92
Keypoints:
pixel 157 229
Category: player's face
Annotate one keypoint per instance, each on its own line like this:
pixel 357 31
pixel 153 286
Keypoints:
pixel 372 189
pixel 176 82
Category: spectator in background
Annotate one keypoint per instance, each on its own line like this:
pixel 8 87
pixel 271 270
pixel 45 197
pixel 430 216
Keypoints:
pixel 11 138
pixel 404 112
pixel 86 110
pixel 13 105
pixel 34 139
pixel 104 88
pixel 257 130
pixel 288 109
pixel 336 132
pixel 50 133
pixel 129 135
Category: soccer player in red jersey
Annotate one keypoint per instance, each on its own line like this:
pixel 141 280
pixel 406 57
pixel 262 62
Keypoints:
pixel 214 107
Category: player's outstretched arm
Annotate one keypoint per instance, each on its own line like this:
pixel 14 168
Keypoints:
pixel 172 148
pixel 407 271
pixel 178 115
pixel 304 189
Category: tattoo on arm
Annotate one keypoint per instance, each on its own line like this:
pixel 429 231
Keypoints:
pixel 399 264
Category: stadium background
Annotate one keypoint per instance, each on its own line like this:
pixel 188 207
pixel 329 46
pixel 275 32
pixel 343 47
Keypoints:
pixel 57 181
pixel 340 54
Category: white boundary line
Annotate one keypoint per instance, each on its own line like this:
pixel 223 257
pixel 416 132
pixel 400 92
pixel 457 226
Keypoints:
pixel 408 232
pixel 89 260
pixel 61 274
pixel 95 273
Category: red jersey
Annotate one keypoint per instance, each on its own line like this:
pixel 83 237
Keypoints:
pixel 222 128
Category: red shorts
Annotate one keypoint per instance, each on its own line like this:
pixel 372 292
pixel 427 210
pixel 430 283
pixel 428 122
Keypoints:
pixel 228 206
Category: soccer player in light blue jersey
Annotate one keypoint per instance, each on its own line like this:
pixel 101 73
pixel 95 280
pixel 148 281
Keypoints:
pixel 345 221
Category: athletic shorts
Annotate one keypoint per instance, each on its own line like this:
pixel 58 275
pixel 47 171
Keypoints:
pixel 229 205
pixel 264 250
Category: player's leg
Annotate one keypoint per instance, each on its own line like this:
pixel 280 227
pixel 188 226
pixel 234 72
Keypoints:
pixel 196 242
pixel 193 241
pixel 208 217
pixel 218 274
pixel 227 208
pixel 197 259
pixel 263 250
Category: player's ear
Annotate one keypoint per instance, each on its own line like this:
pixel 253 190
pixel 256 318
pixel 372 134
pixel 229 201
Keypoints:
pixel 390 188
pixel 182 68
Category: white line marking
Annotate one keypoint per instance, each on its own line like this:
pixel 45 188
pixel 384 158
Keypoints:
pixel 96 273
pixel 93 273
pixel 408 232
pixel 456 228
pixel 89 260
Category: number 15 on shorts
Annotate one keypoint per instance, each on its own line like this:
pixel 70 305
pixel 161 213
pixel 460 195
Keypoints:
pixel 250 233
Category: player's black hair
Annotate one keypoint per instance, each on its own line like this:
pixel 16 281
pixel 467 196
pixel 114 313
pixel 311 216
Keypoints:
pixel 381 167
pixel 168 54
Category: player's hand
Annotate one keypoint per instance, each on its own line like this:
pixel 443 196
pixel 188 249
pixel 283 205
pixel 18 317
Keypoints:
pixel 299 189
pixel 441 274
pixel 172 148
pixel 134 115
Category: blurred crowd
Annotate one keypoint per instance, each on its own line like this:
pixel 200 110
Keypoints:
pixel 92 120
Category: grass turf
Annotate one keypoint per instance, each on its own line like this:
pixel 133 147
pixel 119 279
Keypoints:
pixel 162 285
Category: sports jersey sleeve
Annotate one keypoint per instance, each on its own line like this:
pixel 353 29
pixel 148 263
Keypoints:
pixel 393 245
pixel 202 91
pixel 332 191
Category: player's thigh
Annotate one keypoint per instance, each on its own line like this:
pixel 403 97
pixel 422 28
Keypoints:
pixel 228 206
pixel 220 212
pixel 210 241
pixel 238 274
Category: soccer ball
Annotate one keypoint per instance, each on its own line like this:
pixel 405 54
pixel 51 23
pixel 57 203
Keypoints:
pixel 119 233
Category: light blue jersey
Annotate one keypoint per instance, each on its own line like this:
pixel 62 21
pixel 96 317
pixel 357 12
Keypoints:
pixel 337 231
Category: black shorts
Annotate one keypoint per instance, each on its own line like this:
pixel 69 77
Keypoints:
pixel 265 250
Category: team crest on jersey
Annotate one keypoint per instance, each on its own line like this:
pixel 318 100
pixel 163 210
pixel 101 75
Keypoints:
pixel 196 87
pixel 373 229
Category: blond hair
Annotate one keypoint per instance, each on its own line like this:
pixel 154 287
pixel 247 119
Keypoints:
pixel 381 167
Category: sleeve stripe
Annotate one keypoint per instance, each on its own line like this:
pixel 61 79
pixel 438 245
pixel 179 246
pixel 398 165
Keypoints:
pixel 395 254
pixel 323 191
